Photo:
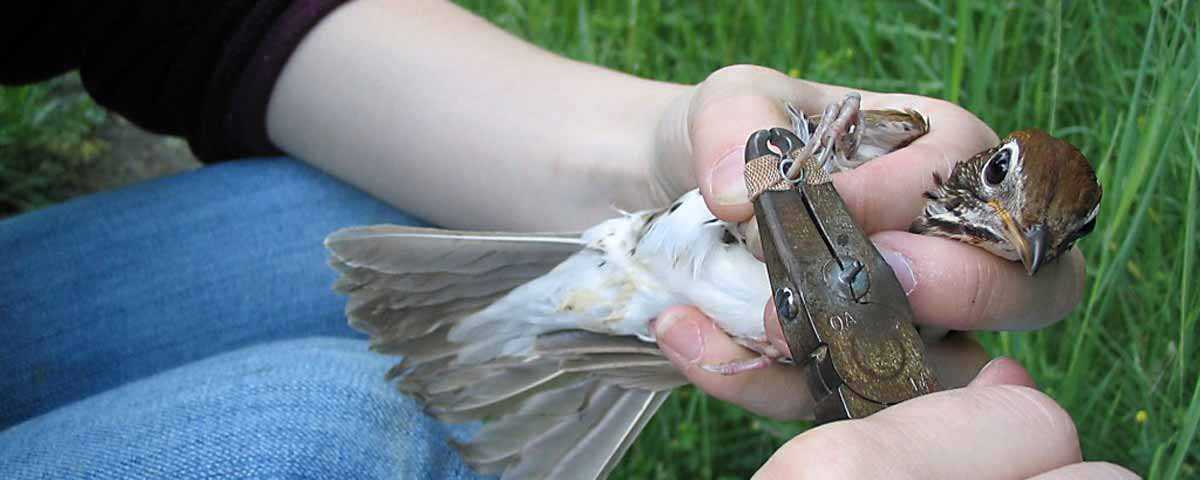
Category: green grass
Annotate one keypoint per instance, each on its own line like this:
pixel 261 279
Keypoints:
pixel 1118 79
pixel 45 131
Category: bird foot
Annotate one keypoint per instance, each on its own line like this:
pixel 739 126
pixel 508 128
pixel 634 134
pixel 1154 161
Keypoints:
pixel 836 136
pixel 840 131
pixel 737 366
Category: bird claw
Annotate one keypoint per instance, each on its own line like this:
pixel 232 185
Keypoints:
pixel 737 366
pixel 837 135
pixel 848 126
pixel 801 153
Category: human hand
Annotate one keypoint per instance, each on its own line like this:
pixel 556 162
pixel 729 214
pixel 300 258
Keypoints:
pixel 999 427
pixel 950 285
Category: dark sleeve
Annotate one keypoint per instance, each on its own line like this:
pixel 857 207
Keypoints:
pixel 203 70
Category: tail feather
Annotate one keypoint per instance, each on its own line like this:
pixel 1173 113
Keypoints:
pixel 496 389
pixel 423 349
pixel 581 343
pixel 408 250
pixel 598 453
pixel 459 292
pixel 407 283
pixel 357 277
pixel 587 445
pixel 384 324
pixel 494 442
pixel 558 403
pixel 642 377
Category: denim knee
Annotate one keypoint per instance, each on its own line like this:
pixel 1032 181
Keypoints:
pixel 117 286
pixel 313 408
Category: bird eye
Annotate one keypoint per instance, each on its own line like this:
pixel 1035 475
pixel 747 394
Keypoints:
pixel 996 167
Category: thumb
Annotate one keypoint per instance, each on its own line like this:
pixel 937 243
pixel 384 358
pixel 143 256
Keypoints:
pixel 1003 371
pixel 719 133
pixel 690 340
pixel 726 108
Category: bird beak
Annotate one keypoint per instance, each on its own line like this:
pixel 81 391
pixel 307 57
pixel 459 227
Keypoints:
pixel 1034 252
pixel 1031 245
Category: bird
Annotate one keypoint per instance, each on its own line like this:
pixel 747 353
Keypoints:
pixel 1029 198
pixel 546 336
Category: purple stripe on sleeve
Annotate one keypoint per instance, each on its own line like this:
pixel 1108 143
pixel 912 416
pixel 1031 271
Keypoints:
pixel 244 130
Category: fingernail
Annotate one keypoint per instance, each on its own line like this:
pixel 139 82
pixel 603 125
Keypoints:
pixel 1011 374
pixel 727 180
pixel 681 338
pixel 990 364
pixel 903 269
pixel 980 378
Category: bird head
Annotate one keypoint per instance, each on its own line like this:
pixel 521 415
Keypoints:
pixel 1029 198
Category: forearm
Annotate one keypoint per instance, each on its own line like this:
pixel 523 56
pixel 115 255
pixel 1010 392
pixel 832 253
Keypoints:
pixel 434 110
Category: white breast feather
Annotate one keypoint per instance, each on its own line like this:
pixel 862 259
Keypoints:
pixel 629 273
pixel 725 281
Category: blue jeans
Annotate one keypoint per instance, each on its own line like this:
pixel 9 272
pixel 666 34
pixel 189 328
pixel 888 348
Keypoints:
pixel 185 328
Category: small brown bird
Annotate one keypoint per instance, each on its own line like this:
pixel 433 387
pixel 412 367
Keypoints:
pixel 547 337
pixel 1028 198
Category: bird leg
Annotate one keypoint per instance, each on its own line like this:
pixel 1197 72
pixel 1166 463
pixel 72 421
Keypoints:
pixel 846 145
pixel 869 134
pixel 844 133
pixel 837 135
pixel 738 366
pixel 767 353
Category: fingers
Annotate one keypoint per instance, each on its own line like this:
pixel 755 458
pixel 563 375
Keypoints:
pixel 690 339
pixel 986 432
pixel 961 287
pixel 729 105
pixel 719 136
pixel 886 193
pixel 1088 471
pixel 955 286
pixel 956 358
pixel 882 194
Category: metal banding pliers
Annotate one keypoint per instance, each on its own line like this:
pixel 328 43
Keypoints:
pixel 842 311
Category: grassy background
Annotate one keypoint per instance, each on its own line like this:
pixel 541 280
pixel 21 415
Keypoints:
pixel 1118 79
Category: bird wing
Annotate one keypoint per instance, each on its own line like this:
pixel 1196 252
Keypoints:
pixel 567 405
pixel 569 411
pixel 406 283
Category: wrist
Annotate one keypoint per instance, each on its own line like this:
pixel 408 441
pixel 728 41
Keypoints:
pixel 539 142
pixel 617 152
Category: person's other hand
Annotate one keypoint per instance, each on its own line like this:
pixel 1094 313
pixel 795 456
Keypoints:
pixel 951 285
pixel 999 427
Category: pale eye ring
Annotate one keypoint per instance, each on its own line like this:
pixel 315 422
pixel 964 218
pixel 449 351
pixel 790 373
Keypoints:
pixel 997 167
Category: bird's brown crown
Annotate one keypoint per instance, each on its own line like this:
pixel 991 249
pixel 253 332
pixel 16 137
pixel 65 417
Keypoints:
pixel 1058 178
